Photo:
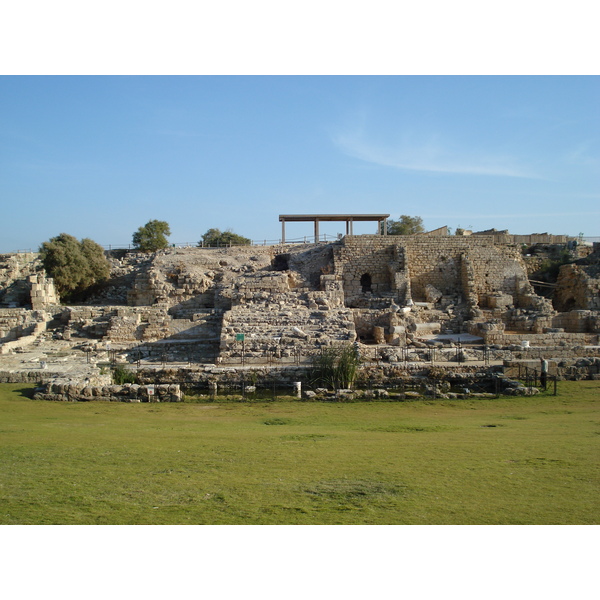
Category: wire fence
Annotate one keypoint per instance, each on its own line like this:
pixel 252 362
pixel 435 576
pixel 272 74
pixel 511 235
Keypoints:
pixel 324 238
pixel 410 359
pixel 533 378
pixel 307 239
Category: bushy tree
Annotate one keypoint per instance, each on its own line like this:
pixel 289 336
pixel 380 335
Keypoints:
pixel 405 225
pixel 152 236
pixel 75 266
pixel 216 237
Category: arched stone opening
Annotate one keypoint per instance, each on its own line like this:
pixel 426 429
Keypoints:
pixel 570 304
pixel 366 283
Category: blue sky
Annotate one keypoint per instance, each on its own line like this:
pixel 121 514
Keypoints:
pixel 99 156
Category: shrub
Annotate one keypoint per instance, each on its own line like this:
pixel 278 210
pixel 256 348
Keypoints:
pixel 216 237
pixel 335 367
pixel 123 375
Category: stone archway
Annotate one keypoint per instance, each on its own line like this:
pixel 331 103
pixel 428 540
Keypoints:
pixel 366 283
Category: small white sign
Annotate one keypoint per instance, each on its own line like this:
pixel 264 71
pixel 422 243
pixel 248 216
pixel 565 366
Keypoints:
pixel 150 390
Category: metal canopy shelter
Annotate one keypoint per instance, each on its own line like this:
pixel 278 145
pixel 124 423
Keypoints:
pixel 316 219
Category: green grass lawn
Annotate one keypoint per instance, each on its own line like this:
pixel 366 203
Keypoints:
pixel 508 461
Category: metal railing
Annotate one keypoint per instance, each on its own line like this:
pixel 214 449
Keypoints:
pixel 534 378
pixel 307 239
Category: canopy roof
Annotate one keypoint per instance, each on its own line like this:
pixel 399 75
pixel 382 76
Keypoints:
pixel 316 219
pixel 333 217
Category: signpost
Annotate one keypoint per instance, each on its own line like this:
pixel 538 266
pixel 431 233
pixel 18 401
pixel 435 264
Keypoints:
pixel 241 337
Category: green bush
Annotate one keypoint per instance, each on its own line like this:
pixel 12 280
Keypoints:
pixel 216 237
pixel 550 267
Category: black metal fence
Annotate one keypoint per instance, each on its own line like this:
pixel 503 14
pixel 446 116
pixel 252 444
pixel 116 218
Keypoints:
pixel 532 377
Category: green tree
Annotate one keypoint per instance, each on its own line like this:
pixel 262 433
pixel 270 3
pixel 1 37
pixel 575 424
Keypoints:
pixel 405 225
pixel 216 237
pixel 152 236
pixel 76 267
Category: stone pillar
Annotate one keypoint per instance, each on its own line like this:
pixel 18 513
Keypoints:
pixel 316 230
pixel 283 231
pixel 401 284
pixel 43 292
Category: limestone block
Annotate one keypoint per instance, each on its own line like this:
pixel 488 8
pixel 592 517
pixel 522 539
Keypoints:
pixel 432 294
pixel 427 328
pixel 379 335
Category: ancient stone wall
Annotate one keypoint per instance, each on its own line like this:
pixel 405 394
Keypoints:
pixel 435 261
pixel 542 339
pixel 362 263
pixel 70 392
pixel 43 293
pixel 15 269
pixel 16 323
pixel 577 321
pixel 578 287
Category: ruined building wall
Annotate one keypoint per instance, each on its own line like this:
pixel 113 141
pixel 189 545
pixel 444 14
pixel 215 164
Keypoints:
pixel 357 257
pixel 15 270
pixel 43 293
pixel 578 287
pixel 434 261
pixel 16 323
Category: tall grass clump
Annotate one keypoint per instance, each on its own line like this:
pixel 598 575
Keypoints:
pixel 121 375
pixel 336 367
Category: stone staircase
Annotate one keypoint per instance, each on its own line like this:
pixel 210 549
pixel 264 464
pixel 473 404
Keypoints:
pixel 283 329
pixel 151 333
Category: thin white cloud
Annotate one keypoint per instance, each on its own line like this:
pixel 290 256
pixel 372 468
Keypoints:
pixel 582 155
pixel 430 156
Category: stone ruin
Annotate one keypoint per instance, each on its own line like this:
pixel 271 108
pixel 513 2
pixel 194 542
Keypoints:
pixel 397 297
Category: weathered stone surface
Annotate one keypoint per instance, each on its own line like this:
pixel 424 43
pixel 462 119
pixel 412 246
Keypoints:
pixel 432 294
pixel 257 305
pixel 69 392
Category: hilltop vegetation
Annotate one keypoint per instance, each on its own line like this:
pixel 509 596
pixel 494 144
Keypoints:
pixel 75 266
